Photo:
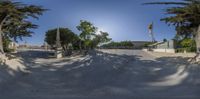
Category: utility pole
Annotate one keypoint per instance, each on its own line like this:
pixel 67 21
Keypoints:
pixel 150 27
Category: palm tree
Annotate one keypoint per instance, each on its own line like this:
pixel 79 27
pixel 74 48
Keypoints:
pixel 185 16
pixel 13 19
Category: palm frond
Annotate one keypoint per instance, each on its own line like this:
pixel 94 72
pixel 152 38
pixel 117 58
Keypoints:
pixel 166 3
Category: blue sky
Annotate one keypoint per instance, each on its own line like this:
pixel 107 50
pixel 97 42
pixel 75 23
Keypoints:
pixel 122 19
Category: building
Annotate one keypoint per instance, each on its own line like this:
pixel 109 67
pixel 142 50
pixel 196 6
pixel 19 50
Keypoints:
pixel 167 47
pixel 140 44
pixel 13 45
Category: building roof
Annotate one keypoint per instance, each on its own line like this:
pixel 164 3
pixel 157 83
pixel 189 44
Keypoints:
pixel 156 44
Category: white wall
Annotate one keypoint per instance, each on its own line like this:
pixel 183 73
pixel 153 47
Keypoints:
pixel 164 50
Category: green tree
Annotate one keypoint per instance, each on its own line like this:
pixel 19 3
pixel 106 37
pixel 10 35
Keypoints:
pixel 184 15
pixel 66 37
pixel 88 31
pixel 164 40
pixel 104 37
pixel 13 19
pixel 177 37
pixel 6 42
pixel 101 38
pixel 188 44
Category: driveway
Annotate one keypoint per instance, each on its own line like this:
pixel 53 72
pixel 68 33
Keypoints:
pixel 105 74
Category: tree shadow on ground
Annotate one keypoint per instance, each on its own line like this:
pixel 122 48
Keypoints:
pixel 104 75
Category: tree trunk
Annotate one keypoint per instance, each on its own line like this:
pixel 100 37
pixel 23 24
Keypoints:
pixel 197 40
pixel 1 40
pixel 64 47
pixel 65 50
pixel 80 45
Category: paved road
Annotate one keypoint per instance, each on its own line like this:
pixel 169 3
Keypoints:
pixel 115 74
